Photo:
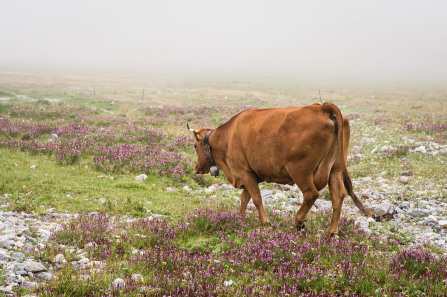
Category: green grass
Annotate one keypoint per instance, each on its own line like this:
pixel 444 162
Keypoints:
pixel 393 165
pixel 5 94
pixel 76 188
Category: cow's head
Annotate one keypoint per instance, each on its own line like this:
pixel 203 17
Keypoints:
pixel 202 165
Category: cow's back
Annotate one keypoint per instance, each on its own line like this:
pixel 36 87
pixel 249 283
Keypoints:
pixel 266 140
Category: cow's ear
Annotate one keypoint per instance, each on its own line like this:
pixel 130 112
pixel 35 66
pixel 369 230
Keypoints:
pixel 196 136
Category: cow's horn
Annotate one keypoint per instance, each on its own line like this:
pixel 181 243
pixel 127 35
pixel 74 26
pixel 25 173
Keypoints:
pixel 192 130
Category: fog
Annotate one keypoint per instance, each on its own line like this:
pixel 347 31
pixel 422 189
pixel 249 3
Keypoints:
pixel 382 39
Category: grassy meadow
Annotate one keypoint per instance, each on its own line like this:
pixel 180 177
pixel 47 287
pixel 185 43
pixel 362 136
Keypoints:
pixel 89 137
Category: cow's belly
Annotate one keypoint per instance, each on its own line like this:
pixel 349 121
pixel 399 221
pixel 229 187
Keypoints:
pixel 280 180
pixel 280 176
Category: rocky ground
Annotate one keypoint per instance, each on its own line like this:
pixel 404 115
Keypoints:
pixel 23 234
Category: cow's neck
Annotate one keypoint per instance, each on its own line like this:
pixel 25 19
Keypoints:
pixel 207 146
pixel 218 143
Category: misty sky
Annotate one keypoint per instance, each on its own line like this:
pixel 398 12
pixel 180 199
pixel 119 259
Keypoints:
pixel 382 39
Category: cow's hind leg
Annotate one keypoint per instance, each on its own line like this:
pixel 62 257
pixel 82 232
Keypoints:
pixel 245 198
pixel 338 194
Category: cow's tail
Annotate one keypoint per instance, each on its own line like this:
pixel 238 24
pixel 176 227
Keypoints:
pixel 348 186
pixel 333 110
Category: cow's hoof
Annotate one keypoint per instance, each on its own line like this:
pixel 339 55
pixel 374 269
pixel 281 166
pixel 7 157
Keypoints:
pixel 266 224
pixel 300 226
pixel 332 236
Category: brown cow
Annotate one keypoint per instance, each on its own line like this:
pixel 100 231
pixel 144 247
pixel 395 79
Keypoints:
pixel 294 145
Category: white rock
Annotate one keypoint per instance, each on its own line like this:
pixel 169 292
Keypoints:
pixel 7 289
pixel 118 283
pixel 323 205
pixel 54 136
pixel 4 255
pixel 137 277
pixel 381 180
pixel 432 217
pixel 228 283
pixel 266 195
pixel 280 195
pixel 404 179
pixel 58 258
pixel 210 189
pixel 366 230
pixel 30 285
pixel 362 224
pixel 420 149
pixel 294 188
pixel 384 209
pixel 434 145
pixel 18 256
pixel 90 244
pixel 418 213
pixel 186 188
pixel 171 189
pixel 84 261
pixel 370 220
pixel 140 177
pixel 33 167
pixel 47 276
pixel 35 267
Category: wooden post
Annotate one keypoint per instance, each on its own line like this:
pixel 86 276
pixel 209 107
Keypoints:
pixel 142 96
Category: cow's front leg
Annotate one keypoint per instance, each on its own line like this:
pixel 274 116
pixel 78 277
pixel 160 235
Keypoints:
pixel 310 194
pixel 251 185
pixel 245 198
